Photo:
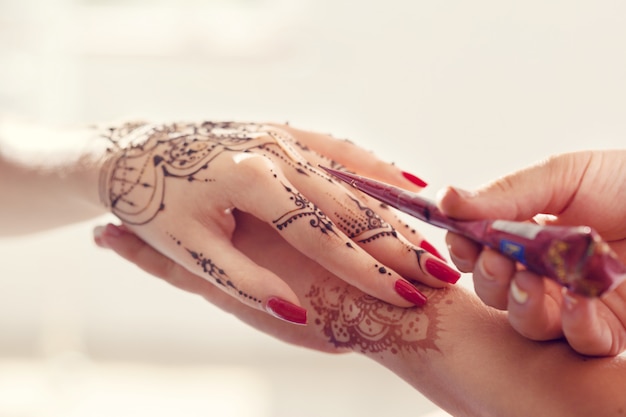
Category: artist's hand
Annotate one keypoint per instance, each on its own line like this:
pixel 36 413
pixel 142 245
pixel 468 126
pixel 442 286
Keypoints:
pixel 176 186
pixel 584 188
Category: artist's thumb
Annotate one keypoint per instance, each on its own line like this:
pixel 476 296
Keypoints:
pixel 544 188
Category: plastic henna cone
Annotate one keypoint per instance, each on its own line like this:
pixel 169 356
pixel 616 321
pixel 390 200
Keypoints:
pixel 574 256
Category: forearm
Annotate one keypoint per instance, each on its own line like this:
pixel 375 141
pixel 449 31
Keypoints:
pixel 52 187
pixel 477 365
pixel 458 352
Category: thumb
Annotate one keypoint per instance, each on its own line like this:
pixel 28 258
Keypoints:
pixel 546 187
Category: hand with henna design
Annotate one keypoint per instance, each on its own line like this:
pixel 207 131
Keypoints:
pixel 582 188
pixel 175 185
pixel 455 350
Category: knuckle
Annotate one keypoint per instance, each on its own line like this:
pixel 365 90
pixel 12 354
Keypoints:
pixel 249 169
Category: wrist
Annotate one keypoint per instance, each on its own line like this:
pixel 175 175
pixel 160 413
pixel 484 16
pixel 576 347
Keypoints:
pixel 49 177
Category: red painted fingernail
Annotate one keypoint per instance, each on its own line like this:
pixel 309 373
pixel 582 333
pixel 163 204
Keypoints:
pixel 410 293
pixel 431 249
pixel 442 271
pixel 415 180
pixel 285 310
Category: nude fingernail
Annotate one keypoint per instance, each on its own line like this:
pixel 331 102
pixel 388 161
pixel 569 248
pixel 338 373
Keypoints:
pixel 568 299
pixel 520 296
pixel 461 263
pixel 485 272
pixel 285 310
pixel 97 236
pixel 113 230
pixel 461 192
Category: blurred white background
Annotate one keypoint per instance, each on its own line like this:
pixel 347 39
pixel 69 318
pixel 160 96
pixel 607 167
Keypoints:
pixel 455 92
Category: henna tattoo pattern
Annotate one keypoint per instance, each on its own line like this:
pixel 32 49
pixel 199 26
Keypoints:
pixel 304 208
pixel 133 182
pixel 217 274
pixel 364 225
pixel 351 319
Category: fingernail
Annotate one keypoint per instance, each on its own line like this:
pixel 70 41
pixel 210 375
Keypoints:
pixel 442 271
pixel 431 249
pixel 285 310
pixel 484 271
pixel 113 230
pixel 568 299
pixel 415 180
pixel 461 192
pixel 410 293
pixel 461 263
pixel 97 236
pixel 520 296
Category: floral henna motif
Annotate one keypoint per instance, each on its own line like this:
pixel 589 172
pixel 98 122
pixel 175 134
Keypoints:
pixel 351 319
pixel 133 180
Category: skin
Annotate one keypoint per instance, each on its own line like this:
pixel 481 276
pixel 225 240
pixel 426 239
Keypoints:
pixel 582 188
pixel 460 353
pixel 176 186
pixel 455 350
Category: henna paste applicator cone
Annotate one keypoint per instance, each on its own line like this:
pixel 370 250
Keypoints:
pixel 575 257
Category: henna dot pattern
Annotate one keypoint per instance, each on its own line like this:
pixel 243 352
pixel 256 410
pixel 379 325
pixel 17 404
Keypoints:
pixel 216 274
pixel 363 224
pixel 382 270
pixel 304 209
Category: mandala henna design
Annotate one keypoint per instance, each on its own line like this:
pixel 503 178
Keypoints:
pixel 304 208
pixel 145 156
pixel 351 319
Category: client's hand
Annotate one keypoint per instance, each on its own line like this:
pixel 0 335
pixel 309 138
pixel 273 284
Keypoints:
pixel 176 186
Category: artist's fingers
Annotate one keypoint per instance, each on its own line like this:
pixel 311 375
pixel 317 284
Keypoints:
pixel 260 188
pixel 596 326
pixel 492 278
pixel 534 306
pixel 354 157
pixel 463 251
pixel 546 187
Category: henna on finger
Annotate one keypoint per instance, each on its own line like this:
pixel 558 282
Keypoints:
pixel 214 273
